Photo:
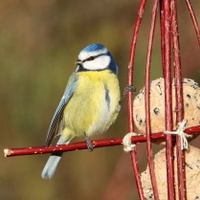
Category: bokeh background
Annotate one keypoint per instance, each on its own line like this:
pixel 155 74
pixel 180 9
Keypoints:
pixel 39 43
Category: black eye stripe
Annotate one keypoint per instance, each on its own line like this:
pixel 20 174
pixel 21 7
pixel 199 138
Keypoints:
pixel 93 57
pixel 90 58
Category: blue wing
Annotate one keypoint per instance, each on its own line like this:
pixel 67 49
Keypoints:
pixel 57 117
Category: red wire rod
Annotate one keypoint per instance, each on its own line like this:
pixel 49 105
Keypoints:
pixel 10 152
pixel 194 19
pixel 162 33
pixel 131 63
pixel 147 102
pixel 166 55
pixel 179 102
pixel 133 153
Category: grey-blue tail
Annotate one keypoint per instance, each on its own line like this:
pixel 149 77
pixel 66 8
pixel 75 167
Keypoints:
pixel 52 163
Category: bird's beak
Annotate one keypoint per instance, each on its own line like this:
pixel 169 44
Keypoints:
pixel 78 62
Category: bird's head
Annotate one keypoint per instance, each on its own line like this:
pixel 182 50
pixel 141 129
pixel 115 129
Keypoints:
pixel 95 57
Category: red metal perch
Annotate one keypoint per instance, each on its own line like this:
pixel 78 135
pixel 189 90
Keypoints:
pixel 10 152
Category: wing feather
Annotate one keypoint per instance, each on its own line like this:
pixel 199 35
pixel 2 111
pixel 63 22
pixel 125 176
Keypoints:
pixel 57 117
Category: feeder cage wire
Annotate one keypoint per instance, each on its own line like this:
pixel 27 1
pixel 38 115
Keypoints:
pixel 170 51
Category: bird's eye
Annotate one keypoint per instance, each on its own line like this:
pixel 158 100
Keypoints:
pixel 91 58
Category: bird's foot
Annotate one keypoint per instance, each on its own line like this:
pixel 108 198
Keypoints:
pixel 89 144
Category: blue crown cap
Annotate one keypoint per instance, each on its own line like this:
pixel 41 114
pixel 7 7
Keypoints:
pixel 97 47
pixel 94 47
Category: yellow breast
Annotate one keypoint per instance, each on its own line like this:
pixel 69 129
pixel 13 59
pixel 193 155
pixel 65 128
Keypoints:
pixel 93 107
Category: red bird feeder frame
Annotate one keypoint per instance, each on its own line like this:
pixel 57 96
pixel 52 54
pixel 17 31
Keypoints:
pixel 170 51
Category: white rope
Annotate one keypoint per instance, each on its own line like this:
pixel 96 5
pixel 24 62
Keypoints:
pixel 180 131
pixel 128 146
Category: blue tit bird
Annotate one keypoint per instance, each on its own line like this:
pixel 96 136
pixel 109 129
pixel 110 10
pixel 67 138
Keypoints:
pixel 90 104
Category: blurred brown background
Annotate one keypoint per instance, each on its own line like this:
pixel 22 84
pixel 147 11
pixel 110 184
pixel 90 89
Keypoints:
pixel 39 43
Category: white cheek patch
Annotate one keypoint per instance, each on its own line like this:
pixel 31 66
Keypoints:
pixel 98 63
